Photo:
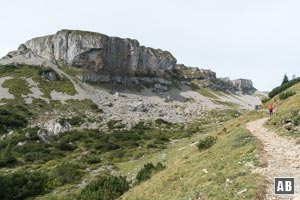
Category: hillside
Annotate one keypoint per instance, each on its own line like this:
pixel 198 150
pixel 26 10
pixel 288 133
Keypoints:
pixel 76 106
pixel 239 158
pixel 224 171
pixel 286 104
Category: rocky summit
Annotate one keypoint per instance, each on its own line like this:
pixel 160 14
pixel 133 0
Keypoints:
pixel 104 59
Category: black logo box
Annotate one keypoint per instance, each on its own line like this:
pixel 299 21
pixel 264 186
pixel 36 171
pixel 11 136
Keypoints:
pixel 283 181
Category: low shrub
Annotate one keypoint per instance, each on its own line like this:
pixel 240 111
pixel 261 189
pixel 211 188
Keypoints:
pixel 74 121
pixel 148 170
pixel 91 159
pixel 22 184
pixel 7 157
pixel 160 121
pixel 287 94
pixel 112 124
pixel 265 100
pixel 206 143
pixel 105 188
pixel 9 120
pixel 64 146
pixel 66 173
pixel 37 157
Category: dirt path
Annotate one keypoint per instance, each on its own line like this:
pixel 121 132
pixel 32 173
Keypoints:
pixel 282 156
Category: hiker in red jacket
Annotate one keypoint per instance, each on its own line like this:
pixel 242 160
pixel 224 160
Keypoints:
pixel 270 108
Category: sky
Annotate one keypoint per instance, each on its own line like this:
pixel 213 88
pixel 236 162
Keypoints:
pixel 257 39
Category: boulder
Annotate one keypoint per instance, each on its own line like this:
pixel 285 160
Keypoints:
pixel 51 75
pixel 52 130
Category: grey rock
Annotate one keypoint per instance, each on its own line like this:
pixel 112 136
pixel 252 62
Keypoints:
pixel 51 75
pixel 140 107
pixel 100 54
pixel 288 126
pixel 51 130
pixel 244 85
pixel 160 88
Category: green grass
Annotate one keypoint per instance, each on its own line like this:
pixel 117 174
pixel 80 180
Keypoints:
pixel 17 87
pixel 285 109
pixel 207 93
pixel 185 175
pixel 24 71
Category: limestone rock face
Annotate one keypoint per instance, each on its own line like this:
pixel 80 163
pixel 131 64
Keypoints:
pixel 244 85
pixel 100 54
pixel 104 59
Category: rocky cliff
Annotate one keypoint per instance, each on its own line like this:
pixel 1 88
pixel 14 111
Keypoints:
pixel 101 58
pixel 100 55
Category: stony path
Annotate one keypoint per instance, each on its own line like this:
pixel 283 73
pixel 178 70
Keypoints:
pixel 282 156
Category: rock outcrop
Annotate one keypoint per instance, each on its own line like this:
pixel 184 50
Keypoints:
pixel 100 56
pixel 104 59
pixel 244 85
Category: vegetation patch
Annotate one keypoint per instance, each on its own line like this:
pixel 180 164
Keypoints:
pixel 66 173
pixel 285 95
pixel 148 170
pixel 35 72
pixel 220 172
pixel 10 120
pixel 104 188
pixel 283 87
pixel 17 87
pixel 206 143
pixel 22 184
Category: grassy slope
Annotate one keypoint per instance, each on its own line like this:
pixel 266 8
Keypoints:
pixel 285 109
pixel 185 178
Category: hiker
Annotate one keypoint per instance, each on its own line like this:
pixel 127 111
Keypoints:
pixel 270 108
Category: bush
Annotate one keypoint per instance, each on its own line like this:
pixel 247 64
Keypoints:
pixel 9 120
pixel 206 143
pixel 105 188
pixel 7 68
pixel 66 173
pixel 74 121
pixel 283 87
pixel 64 146
pixel 112 124
pixel 95 107
pixel 265 100
pixel 6 157
pixel 160 121
pixel 106 146
pixel 152 146
pixel 141 126
pixel 286 95
pixel 32 147
pixel 37 156
pixel 146 172
pixel 22 184
pixel 91 159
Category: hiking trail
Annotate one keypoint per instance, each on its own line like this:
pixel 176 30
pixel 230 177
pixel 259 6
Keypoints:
pixel 282 156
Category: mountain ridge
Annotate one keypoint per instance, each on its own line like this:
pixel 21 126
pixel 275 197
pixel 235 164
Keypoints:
pixel 104 59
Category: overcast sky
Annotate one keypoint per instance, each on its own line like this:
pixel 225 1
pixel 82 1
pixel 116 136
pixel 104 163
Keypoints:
pixel 257 39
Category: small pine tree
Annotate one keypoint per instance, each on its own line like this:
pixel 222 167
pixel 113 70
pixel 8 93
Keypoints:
pixel 285 79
